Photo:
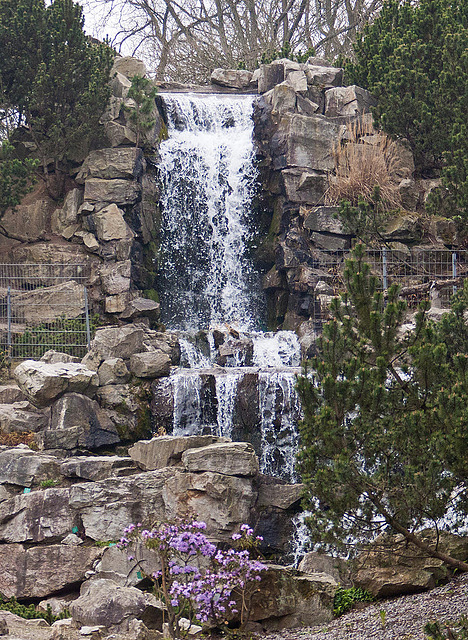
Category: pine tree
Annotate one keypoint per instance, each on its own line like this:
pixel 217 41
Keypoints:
pixel 141 112
pixel 414 59
pixel 384 436
pixel 59 89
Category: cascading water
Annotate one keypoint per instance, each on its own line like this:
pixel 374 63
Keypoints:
pixel 234 380
pixel 208 178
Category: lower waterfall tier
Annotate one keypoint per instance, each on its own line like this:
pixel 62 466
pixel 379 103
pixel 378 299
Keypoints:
pixel 247 404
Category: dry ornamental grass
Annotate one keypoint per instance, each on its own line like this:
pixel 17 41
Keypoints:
pixel 363 161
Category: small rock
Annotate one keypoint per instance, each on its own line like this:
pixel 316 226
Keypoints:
pixel 152 364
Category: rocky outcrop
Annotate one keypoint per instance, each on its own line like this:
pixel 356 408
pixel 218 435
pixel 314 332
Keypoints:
pixel 391 566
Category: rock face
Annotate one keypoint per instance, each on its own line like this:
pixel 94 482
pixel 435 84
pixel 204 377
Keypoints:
pixel 391 567
pixel 230 458
pixel 43 382
pixel 37 572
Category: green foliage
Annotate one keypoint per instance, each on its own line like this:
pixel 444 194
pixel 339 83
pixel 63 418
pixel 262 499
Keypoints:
pixel 384 431
pixel 450 631
pixel 53 76
pixel 286 52
pixel 47 484
pixel 345 598
pixel 366 221
pixel 140 114
pixel 414 59
pixel 16 177
pixel 30 612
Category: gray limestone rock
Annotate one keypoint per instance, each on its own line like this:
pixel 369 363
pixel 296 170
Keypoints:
pixel 232 78
pixel 40 571
pixel 46 304
pixel 75 410
pixel 95 468
pixel 10 393
pixel 109 224
pixel 113 371
pixel 37 516
pixel 118 342
pixel 324 76
pixel 141 308
pixel 128 66
pixel 303 186
pixel 21 417
pixel 321 219
pixel 282 98
pixel 151 364
pixel 348 101
pixel 116 277
pixel 23 467
pixel 119 134
pixel 166 451
pixel 118 191
pixel 43 382
pixel 227 458
pixel 112 163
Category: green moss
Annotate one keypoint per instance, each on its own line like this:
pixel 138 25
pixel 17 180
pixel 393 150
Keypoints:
pixel 163 134
pixel 151 294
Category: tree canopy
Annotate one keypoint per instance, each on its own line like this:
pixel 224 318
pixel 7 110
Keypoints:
pixel 52 77
pixel 384 436
pixel 414 59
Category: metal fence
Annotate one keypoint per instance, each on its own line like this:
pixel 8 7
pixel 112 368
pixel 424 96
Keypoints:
pixel 422 274
pixel 42 307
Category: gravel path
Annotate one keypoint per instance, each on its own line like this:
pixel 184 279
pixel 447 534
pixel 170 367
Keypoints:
pixel 404 617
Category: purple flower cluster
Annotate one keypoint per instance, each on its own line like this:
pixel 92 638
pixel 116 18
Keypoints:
pixel 196 575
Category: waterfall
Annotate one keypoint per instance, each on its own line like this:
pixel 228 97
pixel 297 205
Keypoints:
pixel 208 179
pixel 233 380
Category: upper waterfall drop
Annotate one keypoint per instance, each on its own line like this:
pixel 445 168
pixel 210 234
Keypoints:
pixel 208 180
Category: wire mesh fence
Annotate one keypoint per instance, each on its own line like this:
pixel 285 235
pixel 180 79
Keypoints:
pixel 43 307
pixel 422 274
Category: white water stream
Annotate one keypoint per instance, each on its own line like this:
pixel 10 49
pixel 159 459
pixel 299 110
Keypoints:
pixel 210 291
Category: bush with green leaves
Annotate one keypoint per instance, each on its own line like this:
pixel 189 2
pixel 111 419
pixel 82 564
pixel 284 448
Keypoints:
pixel 16 177
pixel 141 111
pixel 345 599
pixel 30 612
pixel 414 59
pixel 384 435
pixel 448 630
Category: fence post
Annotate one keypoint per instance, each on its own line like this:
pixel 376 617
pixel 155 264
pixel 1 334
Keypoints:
pixel 384 269
pixel 88 329
pixel 9 321
pixel 454 269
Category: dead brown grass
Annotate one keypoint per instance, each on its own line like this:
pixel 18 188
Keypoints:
pixel 365 160
pixel 13 439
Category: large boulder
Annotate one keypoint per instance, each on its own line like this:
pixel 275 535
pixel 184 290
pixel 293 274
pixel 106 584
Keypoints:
pixel 223 502
pixel 321 219
pixel 392 567
pixel 103 602
pixel 116 277
pixel 76 410
pixel 166 451
pixel 43 382
pixel 150 364
pixel 37 516
pixel 20 417
pixel 113 371
pixel 118 191
pixel 128 66
pixel 231 78
pixel 314 562
pixel 324 77
pixel 127 566
pixel 227 458
pixel 304 186
pixel 109 224
pixel 23 467
pixel 36 572
pixel 306 141
pixel 282 98
pixel 287 599
pixel 348 101
pixel 112 163
pixel 108 506
pixel 96 468
pixel 118 342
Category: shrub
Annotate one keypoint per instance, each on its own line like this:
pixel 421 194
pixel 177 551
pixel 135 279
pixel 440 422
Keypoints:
pixel 198 580
pixel 345 598
pixel 448 630
pixel 362 165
